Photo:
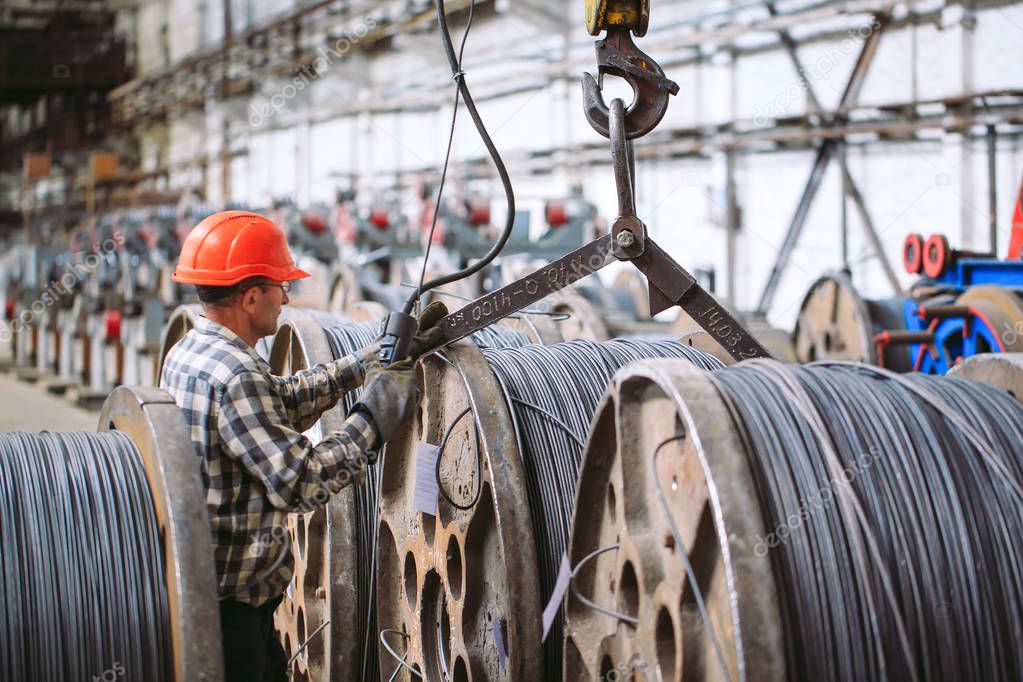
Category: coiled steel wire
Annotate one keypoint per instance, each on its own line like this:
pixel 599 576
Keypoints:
pixel 82 565
pixel 911 568
pixel 345 339
pixel 552 393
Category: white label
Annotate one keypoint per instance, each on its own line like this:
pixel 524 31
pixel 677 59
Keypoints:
pixel 427 491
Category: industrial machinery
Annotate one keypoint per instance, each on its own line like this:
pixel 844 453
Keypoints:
pixel 961 305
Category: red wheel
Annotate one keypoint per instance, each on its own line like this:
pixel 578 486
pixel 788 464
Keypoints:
pixel 937 256
pixel 913 253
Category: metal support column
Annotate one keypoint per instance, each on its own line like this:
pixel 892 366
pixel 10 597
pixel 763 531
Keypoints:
pixel 731 225
pixel 992 190
pixel 824 155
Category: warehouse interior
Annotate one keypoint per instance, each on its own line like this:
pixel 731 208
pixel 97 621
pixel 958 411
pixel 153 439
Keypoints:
pixel 725 384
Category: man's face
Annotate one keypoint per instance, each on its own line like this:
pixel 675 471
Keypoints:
pixel 265 309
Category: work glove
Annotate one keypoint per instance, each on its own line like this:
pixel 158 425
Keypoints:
pixel 389 396
pixel 368 356
pixel 430 332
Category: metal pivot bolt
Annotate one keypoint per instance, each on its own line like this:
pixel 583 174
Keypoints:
pixel 626 239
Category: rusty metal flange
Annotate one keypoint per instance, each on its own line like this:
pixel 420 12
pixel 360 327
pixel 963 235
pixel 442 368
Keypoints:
pixel 322 541
pixel 152 420
pixel 701 340
pixel 462 586
pixel 710 494
pixel 1003 371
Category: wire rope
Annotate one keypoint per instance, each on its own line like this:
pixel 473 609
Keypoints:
pixel 455 62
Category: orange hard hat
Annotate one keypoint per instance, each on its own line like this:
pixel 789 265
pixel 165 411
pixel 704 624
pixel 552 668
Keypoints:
pixel 230 246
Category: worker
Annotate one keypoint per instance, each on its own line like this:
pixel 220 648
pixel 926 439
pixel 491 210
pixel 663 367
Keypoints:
pixel 246 423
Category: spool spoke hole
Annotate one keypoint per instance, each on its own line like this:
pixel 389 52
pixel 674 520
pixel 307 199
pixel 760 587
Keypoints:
pixel 460 673
pixel 628 590
pixel 411 580
pixel 454 567
pixel 666 641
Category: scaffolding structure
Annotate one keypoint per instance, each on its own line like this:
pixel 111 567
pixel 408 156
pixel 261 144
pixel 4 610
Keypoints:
pixel 682 36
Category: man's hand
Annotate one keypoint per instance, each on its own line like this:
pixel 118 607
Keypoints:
pixel 389 396
pixel 428 335
pixel 430 332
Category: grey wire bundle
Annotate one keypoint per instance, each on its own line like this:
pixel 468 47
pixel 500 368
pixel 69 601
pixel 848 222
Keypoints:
pixel 552 393
pixel 912 569
pixel 82 562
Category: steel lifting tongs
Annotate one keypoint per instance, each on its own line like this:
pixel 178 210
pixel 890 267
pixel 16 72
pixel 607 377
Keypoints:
pixel 669 283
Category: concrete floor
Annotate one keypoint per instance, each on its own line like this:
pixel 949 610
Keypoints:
pixel 28 407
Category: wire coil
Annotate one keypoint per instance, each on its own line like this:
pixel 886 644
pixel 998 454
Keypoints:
pixel 83 572
pixel 913 571
pixel 552 393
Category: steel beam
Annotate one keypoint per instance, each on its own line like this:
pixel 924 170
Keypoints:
pixel 824 155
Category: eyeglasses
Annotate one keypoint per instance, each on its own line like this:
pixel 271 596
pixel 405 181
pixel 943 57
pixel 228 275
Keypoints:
pixel 283 286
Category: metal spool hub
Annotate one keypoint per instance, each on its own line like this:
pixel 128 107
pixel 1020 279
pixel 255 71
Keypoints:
pixel 462 586
pixel 834 323
pixel 152 420
pixel 181 321
pixel 710 494
pixel 322 542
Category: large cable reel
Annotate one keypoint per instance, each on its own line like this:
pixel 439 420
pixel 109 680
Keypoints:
pixel 836 323
pixel 154 422
pixel 716 511
pixel 325 585
pixel 444 587
pixel 94 577
pixel 670 407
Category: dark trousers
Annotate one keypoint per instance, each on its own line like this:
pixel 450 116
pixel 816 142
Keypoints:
pixel 252 652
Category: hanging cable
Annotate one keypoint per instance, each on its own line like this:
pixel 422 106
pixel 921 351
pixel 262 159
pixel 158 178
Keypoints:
pixel 894 515
pixel 455 62
pixel 84 589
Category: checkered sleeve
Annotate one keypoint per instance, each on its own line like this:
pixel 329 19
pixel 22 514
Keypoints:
pixel 288 466
pixel 309 393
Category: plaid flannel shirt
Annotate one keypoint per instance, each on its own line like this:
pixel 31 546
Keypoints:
pixel 257 466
